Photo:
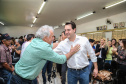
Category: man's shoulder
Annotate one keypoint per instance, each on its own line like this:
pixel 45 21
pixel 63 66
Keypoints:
pixel 1 47
pixel 82 38
pixel 64 41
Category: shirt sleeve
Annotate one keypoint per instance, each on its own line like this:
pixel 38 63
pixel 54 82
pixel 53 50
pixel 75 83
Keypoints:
pixel 2 55
pixel 91 52
pixel 50 55
pixel 58 49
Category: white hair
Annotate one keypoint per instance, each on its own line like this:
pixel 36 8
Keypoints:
pixel 44 31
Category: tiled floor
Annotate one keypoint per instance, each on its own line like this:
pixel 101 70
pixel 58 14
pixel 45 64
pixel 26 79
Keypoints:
pixel 56 80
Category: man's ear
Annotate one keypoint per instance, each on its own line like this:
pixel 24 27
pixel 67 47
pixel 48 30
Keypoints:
pixel 3 41
pixel 45 38
pixel 74 30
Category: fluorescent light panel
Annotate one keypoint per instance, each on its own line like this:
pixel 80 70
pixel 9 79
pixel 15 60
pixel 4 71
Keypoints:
pixel 63 24
pixel 55 27
pixel 115 4
pixel 32 25
pixel 2 23
pixel 34 20
pixel 41 7
pixel 84 16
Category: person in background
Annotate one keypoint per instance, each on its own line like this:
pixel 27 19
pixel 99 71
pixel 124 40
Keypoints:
pixel 114 45
pixel 119 47
pixel 21 40
pixel 90 62
pixel 101 52
pixel 29 38
pixel 6 67
pixel 54 39
pixel 25 38
pixel 78 63
pixel 35 56
pixel 16 50
pixel 0 38
pixel 121 59
pixel 109 53
pixel 64 66
pixel 59 39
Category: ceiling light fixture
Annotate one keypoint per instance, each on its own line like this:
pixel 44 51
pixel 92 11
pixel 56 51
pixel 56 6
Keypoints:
pixel 114 4
pixel 63 24
pixel 85 16
pixel 31 25
pixel 55 27
pixel 2 23
pixel 41 6
pixel 35 20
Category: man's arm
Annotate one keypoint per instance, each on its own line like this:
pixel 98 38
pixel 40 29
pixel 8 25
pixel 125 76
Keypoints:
pixel 6 66
pixel 93 58
pixel 95 72
pixel 55 45
pixel 49 54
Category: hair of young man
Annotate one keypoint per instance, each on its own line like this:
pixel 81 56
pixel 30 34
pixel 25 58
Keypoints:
pixel 29 36
pixel 73 25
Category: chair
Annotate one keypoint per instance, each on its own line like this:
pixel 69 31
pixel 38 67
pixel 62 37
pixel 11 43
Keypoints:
pixel 120 76
pixel 2 80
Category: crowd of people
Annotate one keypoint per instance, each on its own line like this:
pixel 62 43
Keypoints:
pixel 21 60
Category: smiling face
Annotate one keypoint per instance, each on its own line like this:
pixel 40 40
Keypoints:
pixel 109 43
pixel 102 41
pixel 69 32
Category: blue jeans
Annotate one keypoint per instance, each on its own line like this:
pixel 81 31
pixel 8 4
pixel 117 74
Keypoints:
pixel 6 75
pixel 47 66
pixel 63 73
pixel 15 79
pixel 108 61
pixel 78 75
pixel 90 69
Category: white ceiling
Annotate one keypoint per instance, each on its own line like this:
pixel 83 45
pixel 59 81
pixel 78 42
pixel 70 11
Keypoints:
pixel 55 12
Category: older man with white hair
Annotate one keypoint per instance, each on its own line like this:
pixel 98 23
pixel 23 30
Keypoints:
pixel 36 55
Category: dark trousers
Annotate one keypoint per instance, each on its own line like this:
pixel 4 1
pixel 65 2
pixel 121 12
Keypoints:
pixel 48 67
pixel 6 75
pixel 59 67
pixel 15 79
pixel 63 73
pixel 121 74
pixel 100 62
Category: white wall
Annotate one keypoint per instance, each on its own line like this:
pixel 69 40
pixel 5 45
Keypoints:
pixel 16 31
